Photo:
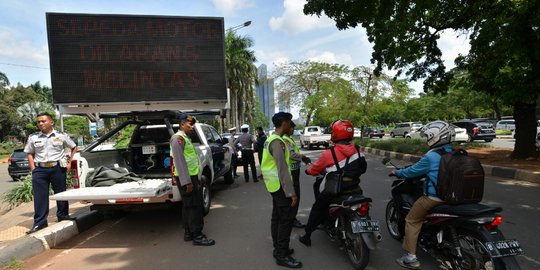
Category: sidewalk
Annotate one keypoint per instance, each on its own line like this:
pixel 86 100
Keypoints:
pixel 15 244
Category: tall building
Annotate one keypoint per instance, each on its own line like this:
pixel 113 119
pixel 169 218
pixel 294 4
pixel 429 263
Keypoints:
pixel 265 92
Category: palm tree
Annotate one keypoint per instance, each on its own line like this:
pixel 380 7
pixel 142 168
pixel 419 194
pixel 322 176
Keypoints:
pixel 241 76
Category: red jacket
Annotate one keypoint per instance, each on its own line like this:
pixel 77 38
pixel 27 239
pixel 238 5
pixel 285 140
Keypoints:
pixel 343 151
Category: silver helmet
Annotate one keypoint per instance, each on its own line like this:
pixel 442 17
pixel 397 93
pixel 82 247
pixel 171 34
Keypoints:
pixel 438 133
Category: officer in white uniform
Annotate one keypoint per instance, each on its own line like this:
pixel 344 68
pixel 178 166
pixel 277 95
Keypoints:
pixel 46 157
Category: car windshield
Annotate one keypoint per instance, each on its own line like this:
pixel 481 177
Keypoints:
pixel 18 154
pixel 312 129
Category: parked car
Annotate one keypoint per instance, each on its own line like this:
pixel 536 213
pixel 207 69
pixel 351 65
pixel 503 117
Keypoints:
pixel 506 124
pixel 146 153
pixel 314 136
pixel 18 164
pixel 402 129
pixel 374 132
pixel 357 133
pixel 461 134
pixel 477 130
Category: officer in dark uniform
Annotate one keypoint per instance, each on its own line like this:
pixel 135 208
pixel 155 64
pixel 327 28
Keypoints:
pixel 234 160
pixel 48 164
pixel 278 181
pixel 186 175
pixel 246 142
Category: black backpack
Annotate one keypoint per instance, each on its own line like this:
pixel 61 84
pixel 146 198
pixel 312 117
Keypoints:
pixel 460 178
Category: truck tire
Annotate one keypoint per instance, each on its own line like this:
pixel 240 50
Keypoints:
pixel 206 190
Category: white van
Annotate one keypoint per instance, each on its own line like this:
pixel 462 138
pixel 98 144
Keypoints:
pixel 402 129
pixel 506 124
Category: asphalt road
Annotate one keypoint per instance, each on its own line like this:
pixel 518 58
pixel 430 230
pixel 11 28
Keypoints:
pixel 239 222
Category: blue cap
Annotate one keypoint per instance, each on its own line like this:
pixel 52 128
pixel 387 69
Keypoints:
pixel 187 117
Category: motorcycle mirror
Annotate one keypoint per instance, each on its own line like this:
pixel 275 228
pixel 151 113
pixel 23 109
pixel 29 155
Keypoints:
pixel 385 161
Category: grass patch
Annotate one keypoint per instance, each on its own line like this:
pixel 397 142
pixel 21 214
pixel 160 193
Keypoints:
pixel 503 132
pixel 410 146
pixel 14 264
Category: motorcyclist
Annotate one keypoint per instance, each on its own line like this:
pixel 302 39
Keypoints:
pixel 342 135
pixel 439 135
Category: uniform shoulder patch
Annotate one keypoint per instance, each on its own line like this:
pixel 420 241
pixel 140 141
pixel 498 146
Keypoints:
pixel 180 140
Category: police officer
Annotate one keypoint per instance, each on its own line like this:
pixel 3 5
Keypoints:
pixel 234 160
pixel 261 138
pixel 295 159
pixel 278 181
pixel 46 157
pixel 186 175
pixel 246 142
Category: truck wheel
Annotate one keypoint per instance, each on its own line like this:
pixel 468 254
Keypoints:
pixel 310 147
pixel 205 193
pixel 392 135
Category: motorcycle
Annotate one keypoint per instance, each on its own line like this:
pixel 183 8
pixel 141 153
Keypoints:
pixel 464 236
pixel 349 222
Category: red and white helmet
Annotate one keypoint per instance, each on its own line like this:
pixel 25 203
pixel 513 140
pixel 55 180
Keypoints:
pixel 342 130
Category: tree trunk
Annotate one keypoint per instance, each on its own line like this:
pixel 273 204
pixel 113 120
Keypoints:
pixel 308 117
pixel 525 117
pixel 497 110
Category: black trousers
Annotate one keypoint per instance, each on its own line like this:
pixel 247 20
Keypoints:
pixel 282 221
pixel 41 179
pixel 319 212
pixel 192 207
pixel 234 163
pixel 260 155
pixel 249 160
pixel 296 183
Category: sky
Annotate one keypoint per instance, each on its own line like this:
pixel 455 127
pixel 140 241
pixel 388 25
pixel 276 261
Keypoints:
pixel 280 30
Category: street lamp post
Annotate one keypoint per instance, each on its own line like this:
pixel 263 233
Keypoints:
pixel 245 24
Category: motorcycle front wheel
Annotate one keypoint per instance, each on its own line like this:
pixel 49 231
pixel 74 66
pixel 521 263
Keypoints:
pixel 358 252
pixel 475 254
pixel 395 226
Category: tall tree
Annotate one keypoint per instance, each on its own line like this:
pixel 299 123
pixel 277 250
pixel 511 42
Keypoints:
pixel 503 59
pixel 300 83
pixel 241 76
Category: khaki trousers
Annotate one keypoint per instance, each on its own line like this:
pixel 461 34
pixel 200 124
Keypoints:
pixel 414 220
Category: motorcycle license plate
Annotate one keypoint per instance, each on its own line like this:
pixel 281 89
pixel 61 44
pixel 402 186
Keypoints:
pixel 364 225
pixel 504 248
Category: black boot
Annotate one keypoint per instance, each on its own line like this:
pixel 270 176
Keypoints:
pixel 305 239
pixel 288 261
pixel 202 240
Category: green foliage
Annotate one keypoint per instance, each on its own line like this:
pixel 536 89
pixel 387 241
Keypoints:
pixel 503 58
pixel 14 264
pixel 124 137
pixel 259 119
pixel 410 146
pixel 503 132
pixel 241 76
pixel 77 126
pixel 20 193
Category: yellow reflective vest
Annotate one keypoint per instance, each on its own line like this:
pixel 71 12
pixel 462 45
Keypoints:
pixel 190 155
pixel 269 167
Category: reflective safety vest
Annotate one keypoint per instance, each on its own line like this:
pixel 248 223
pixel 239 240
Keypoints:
pixel 190 155
pixel 294 164
pixel 269 166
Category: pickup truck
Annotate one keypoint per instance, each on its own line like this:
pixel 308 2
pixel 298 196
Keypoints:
pixel 142 148
pixel 314 136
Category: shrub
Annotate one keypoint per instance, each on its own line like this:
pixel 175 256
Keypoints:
pixel 22 191
pixel 409 146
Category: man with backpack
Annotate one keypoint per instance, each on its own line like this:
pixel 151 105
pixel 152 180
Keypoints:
pixel 439 135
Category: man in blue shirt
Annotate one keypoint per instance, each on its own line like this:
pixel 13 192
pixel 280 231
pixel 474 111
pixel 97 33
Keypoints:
pixel 439 136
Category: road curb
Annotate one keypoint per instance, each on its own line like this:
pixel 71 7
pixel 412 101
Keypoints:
pixel 489 170
pixel 48 238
